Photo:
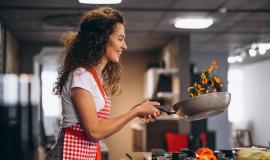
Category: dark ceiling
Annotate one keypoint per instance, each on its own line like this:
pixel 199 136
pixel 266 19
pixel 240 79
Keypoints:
pixel 149 22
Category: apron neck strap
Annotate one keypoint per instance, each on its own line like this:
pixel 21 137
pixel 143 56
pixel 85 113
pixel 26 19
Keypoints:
pixel 94 72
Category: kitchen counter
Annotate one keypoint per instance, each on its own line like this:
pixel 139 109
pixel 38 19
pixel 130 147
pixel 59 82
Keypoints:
pixel 139 155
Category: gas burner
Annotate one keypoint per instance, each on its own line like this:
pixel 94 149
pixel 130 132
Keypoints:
pixel 186 154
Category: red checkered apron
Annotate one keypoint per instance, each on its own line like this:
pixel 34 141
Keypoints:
pixel 76 145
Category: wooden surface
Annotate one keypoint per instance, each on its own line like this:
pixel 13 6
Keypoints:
pixel 139 155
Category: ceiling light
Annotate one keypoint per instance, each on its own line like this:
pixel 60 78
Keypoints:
pixel 231 59
pixel 239 59
pixel 193 23
pixel 252 52
pixel 263 47
pixel 254 46
pixel 223 10
pixel 100 1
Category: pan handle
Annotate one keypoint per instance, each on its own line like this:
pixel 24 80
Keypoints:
pixel 166 109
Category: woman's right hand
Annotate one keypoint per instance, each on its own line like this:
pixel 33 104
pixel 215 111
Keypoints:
pixel 147 110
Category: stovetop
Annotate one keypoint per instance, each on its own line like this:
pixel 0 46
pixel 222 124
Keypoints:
pixel 190 155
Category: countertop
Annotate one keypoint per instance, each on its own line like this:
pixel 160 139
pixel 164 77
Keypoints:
pixel 139 155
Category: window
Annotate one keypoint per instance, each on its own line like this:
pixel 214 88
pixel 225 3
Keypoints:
pixel 50 103
pixel 235 83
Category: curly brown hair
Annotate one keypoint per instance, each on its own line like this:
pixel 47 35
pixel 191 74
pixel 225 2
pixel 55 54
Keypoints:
pixel 86 48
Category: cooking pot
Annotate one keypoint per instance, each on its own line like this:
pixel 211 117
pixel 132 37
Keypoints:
pixel 199 107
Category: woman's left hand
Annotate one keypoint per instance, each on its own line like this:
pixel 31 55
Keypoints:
pixel 147 111
pixel 150 118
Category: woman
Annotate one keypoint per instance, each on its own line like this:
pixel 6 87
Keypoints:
pixel 90 72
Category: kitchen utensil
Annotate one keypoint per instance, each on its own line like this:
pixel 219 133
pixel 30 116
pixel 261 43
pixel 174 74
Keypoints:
pixel 199 107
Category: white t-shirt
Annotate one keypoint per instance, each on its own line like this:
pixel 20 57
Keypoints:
pixel 83 79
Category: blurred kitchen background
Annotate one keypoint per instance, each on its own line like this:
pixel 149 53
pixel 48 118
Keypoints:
pixel 162 61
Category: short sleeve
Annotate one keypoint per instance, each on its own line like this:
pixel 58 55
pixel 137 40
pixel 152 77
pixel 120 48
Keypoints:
pixel 82 79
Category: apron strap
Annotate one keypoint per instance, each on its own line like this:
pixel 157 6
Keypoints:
pixel 98 157
pixel 74 132
pixel 94 72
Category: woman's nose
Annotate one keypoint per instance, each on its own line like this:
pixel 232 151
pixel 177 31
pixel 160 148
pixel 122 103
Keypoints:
pixel 124 46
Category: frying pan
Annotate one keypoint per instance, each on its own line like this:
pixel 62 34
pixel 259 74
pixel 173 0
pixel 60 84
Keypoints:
pixel 199 107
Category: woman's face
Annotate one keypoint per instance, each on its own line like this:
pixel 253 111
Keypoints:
pixel 116 44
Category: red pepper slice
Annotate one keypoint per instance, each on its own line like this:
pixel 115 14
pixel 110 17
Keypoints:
pixel 205 154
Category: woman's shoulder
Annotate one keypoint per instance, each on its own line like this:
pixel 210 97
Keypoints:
pixel 79 70
pixel 82 73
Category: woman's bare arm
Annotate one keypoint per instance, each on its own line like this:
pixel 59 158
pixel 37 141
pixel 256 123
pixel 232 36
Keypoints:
pixel 100 128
